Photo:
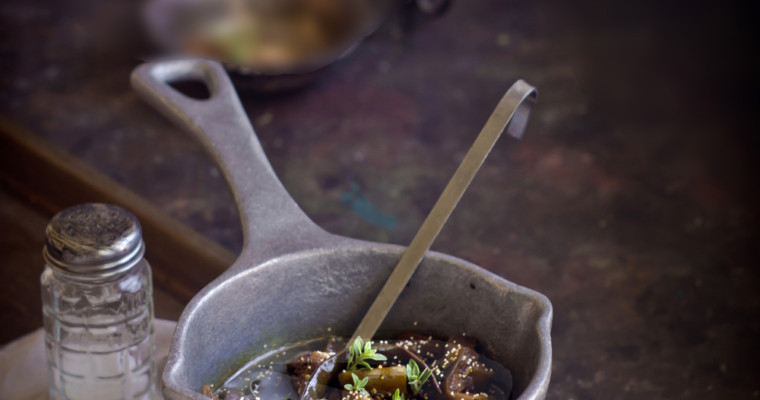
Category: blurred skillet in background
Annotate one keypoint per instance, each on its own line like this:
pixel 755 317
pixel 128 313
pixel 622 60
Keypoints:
pixel 271 45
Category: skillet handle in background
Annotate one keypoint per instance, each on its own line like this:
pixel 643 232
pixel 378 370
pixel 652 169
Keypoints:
pixel 273 224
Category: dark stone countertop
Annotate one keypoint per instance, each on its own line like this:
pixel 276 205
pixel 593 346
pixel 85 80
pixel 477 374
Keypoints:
pixel 631 202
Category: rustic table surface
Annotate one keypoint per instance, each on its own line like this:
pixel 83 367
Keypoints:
pixel 631 202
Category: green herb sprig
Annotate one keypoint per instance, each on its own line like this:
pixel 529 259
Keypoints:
pixel 360 352
pixel 398 395
pixel 415 378
pixel 358 384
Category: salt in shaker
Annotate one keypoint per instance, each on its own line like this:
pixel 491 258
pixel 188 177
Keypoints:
pixel 97 301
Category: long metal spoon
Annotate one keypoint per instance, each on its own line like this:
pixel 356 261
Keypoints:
pixel 511 113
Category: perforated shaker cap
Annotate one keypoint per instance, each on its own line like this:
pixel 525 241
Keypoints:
pixel 94 240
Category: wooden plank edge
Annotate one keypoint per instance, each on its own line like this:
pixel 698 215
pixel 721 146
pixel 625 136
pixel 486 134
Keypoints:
pixel 45 175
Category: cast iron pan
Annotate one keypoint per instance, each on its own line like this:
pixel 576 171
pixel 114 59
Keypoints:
pixel 293 281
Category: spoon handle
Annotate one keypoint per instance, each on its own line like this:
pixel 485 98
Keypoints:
pixel 511 113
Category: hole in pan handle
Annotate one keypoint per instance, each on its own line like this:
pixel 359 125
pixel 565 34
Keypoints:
pixel 273 224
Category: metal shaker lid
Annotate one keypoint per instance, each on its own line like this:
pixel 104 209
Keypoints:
pixel 93 239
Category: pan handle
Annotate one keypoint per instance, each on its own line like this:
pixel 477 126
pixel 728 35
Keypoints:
pixel 273 224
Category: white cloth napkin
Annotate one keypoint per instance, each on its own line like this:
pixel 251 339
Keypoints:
pixel 23 363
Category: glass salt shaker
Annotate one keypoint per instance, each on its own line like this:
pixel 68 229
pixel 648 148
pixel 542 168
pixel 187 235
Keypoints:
pixel 97 302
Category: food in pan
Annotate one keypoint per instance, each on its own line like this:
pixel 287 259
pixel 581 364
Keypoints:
pixel 274 34
pixel 412 367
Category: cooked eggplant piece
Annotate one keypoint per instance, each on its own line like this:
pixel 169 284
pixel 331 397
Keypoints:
pixel 467 378
pixel 381 380
pixel 316 387
pixel 303 367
